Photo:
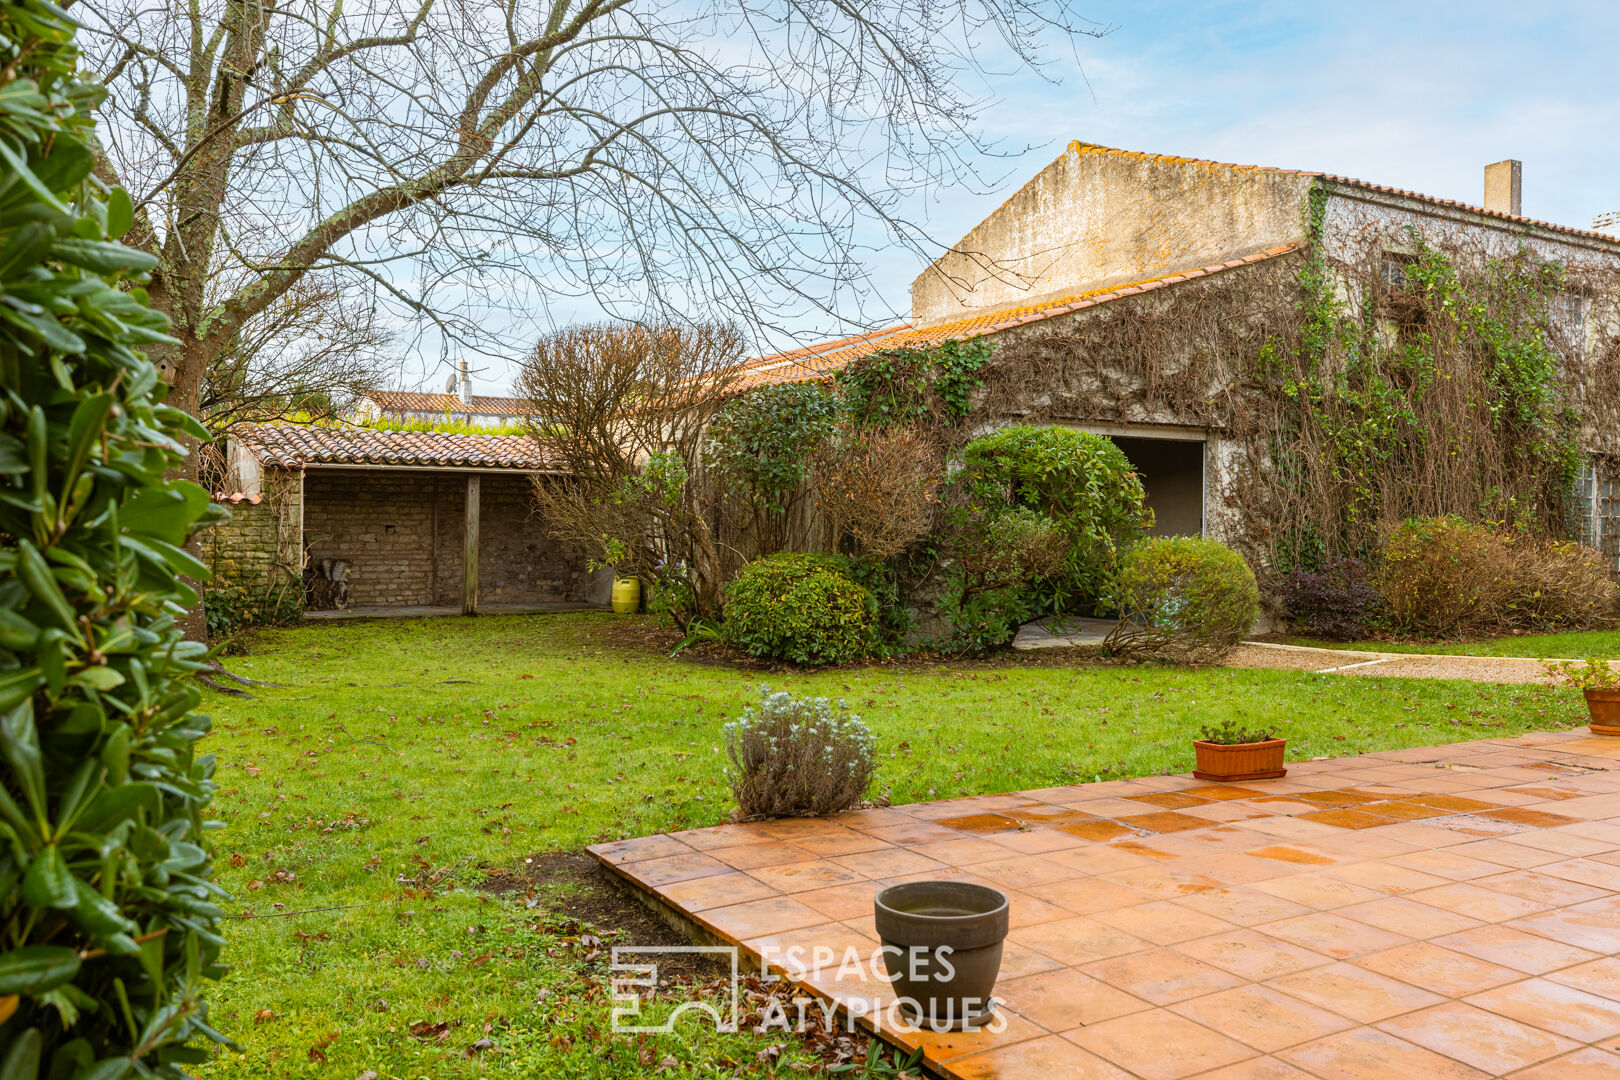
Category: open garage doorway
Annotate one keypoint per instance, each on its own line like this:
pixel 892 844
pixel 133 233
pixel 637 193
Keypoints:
pixel 1172 472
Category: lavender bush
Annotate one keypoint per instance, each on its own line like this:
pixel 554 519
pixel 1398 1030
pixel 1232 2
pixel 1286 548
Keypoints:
pixel 798 756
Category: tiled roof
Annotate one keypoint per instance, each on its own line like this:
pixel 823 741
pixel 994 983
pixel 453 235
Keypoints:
pixel 1347 181
pixel 823 360
pixel 391 400
pixel 290 446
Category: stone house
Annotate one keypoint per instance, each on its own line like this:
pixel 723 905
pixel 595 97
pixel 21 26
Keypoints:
pixel 1135 295
pixel 375 521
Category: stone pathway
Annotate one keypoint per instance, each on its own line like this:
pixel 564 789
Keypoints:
pixel 1498 669
pixel 1445 913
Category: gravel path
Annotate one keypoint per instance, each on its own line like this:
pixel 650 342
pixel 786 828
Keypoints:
pixel 1496 669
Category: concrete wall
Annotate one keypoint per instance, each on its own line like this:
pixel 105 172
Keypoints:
pixel 402 535
pixel 1098 217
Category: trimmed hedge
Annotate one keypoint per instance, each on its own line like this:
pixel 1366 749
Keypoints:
pixel 1183 598
pixel 800 608
pixel 109 932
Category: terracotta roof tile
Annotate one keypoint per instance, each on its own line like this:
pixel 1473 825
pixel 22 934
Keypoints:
pixel 291 446
pixel 824 360
pixel 391 400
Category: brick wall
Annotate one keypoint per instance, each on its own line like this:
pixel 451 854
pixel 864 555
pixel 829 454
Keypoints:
pixel 402 535
pixel 256 553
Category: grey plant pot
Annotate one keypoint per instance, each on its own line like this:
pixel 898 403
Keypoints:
pixel 949 936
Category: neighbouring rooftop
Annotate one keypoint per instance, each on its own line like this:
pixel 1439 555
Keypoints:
pixel 1444 913
pixel 296 446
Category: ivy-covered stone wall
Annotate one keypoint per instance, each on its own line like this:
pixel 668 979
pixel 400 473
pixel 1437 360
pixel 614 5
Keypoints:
pixel 257 557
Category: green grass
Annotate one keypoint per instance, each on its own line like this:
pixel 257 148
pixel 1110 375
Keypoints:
pixel 1601 643
pixel 400 762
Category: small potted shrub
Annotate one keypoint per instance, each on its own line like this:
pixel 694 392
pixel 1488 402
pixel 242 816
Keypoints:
pixel 1228 752
pixel 1600 683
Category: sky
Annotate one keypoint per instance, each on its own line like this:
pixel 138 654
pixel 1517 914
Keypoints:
pixel 1417 95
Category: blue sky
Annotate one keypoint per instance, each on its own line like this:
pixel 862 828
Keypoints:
pixel 1415 95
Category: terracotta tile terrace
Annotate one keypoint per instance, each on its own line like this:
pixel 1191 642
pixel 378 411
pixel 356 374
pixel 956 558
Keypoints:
pixel 1444 913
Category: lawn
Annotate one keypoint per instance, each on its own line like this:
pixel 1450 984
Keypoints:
pixel 400 767
pixel 1601 643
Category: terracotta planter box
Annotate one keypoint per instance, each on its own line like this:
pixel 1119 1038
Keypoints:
pixel 1242 761
pixel 1604 705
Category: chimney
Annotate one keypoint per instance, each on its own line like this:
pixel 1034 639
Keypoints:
pixel 1503 187
pixel 466 385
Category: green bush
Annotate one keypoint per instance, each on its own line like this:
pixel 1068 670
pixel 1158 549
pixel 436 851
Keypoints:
pixel 1183 598
pixel 108 930
pixel 802 608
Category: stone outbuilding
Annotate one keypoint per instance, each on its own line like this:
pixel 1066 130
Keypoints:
pixel 361 521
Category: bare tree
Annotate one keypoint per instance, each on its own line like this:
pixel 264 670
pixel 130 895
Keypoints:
pixel 707 159
pixel 622 412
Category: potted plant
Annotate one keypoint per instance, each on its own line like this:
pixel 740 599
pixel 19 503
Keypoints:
pixel 1600 683
pixel 1228 752
pixel 942 945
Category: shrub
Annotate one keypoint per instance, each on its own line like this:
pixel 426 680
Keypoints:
pixel 1081 482
pixel 802 608
pixel 798 756
pixel 108 930
pixel 1336 602
pixel 1444 577
pixel 1183 598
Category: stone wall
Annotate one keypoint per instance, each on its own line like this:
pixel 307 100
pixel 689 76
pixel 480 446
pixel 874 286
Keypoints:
pixel 402 536
pixel 256 554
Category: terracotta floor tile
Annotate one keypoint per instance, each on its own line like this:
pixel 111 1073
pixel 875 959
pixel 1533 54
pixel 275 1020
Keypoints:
pixel 718 890
pixel 776 914
pixel 1018 961
pixel 1149 846
pixel 1327 932
pixel 1369 1054
pixel 1253 955
pixel 1568 844
pixel 1222 791
pixel 752 856
pixel 1162 976
pixel 950 1046
pixel 1354 992
pixel 1243 906
pixel 673 868
pixel 641 848
pixel 1066 998
pixel 1168 800
pixel 844 842
pixel 963 852
pixel 1035 841
pixel 817 949
pixel 719 836
pixel 1227 811
pixel 1385 877
pixel 1260 1068
pixel 1398 810
pixel 1517 949
pixel 1601 977
pixel 1235 868
pixel 1025 871
pixel 788 828
pixel 1315 891
pixel 1262 1017
pixel 1336 798
pixel 1050 815
pixel 875 818
pixel 1051 1058
pixel 1399 915
pixel 916 832
pixel 1541 819
pixel 1026 910
pixel 1544 888
pixel 1098 830
pixel 1454 803
pixel 1486 905
pixel 1344 818
pixel 805 876
pixel 1158 1045
pixel 1554 1007
pixel 1586 872
pixel 1588 1064
pixel 978 823
pixel 1293 855
pixel 1108 808
pixel 889 862
pixel 1163 922
pixel 842 901
pixel 1475 1037
pixel 1583 929
pixel 1083 895
pixel 1163 882
pixel 1444 971
pixel 1516 856
pixel 1076 941
pixel 1447 863
pixel 1164 821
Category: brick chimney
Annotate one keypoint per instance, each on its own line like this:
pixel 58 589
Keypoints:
pixel 1503 187
pixel 465 382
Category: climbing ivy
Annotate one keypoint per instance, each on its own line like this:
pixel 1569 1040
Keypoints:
pixel 914 386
